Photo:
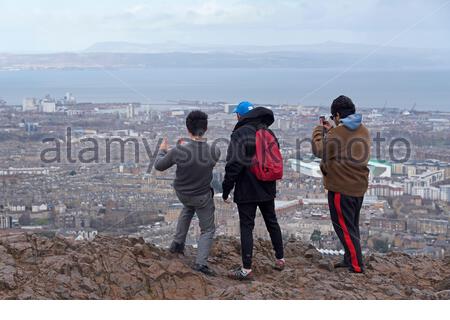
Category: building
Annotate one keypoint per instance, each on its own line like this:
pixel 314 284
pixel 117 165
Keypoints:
pixel 445 193
pixel 415 167
pixel 410 170
pixel 388 190
pixel 5 222
pixel 73 220
pixel 229 108
pixel 385 224
pixel 369 202
pixel 25 171
pixel 404 169
pixel 48 106
pixel 60 208
pixel 310 169
pixel 14 208
pixel 426 179
pixel 177 113
pixel 428 193
pixel 130 111
pixel 307 226
pixel 31 127
pixel 69 99
pixel 378 169
pixel 398 168
pixel 432 226
pixel 282 124
pixel 39 207
pixel 287 208
pixel 29 104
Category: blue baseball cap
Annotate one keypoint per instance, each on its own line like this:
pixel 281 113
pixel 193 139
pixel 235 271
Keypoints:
pixel 243 107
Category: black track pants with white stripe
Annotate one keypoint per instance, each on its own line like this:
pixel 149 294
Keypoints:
pixel 345 211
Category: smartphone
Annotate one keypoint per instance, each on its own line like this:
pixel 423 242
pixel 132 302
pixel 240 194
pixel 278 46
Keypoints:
pixel 322 119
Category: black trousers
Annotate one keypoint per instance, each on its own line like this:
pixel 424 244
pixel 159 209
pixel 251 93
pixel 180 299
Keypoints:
pixel 345 211
pixel 247 214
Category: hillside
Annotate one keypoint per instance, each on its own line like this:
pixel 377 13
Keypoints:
pixel 328 55
pixel 35 267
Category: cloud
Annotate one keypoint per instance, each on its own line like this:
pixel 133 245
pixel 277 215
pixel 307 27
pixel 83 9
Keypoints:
pixel 62 25
pixel 213 12
pixel 203 13
pixel 135 9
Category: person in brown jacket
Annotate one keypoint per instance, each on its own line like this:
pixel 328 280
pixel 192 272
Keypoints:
pixel 345 153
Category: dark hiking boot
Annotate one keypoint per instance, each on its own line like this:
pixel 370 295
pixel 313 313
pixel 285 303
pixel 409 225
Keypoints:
pixel 176 248
pixel 362 271
pixel 205 270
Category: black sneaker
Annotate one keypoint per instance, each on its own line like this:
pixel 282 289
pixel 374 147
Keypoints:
pixel 204 269
pixel 176 248
pixel 241 275
pixel 361 271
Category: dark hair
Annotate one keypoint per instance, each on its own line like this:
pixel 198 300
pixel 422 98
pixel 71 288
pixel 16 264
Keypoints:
pixel 197 122
pixel 344 106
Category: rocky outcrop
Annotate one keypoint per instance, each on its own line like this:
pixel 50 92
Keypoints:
pixel 36 267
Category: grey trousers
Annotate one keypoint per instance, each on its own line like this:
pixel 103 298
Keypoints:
pixel 204 207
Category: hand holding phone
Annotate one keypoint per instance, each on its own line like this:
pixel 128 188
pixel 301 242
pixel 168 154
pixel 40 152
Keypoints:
pixel 327 125
pixel 164 145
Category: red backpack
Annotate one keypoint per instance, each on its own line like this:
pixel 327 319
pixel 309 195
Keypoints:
pixel 267 163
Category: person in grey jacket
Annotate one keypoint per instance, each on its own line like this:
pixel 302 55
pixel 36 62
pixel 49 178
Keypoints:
pixel 194 160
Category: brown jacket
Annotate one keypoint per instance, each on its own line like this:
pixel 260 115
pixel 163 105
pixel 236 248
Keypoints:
pixel 345 154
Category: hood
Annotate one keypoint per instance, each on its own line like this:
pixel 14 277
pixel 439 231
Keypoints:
pixel 259 115
pixel 353 121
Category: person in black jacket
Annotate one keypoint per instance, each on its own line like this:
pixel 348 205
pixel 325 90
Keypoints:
pixel 249 192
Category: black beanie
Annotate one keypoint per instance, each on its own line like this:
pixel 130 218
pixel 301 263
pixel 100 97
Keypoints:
pixel 344 105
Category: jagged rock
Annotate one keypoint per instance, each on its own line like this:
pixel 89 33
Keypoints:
pixel 34 267
pixel 313 254
pixel 7 270
pixel 326 264
pixel 444 284
pixel 444 295
pixel 7 277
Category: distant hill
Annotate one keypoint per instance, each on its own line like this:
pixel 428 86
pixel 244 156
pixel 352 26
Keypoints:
pixel 130 47
pixel 325 47
pixel 173 55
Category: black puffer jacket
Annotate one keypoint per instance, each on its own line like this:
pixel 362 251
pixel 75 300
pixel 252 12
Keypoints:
pixel 240 153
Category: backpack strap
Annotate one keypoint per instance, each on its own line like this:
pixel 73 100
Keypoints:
pixel 260 126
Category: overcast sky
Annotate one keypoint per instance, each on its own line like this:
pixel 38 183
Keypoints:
pixel 72 25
